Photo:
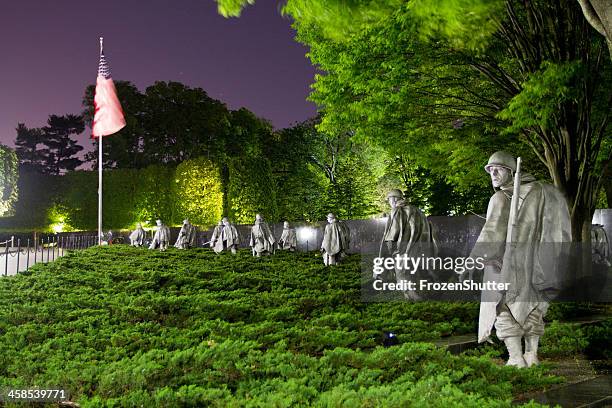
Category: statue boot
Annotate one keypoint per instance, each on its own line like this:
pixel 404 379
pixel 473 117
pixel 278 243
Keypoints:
pixel 531 350
pixel 515 352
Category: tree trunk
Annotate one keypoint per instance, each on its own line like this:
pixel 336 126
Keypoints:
pixel 225 180
pixel 570 143
pixel 599 15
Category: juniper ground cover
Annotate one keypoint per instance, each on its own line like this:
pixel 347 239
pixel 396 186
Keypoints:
pixel 122 326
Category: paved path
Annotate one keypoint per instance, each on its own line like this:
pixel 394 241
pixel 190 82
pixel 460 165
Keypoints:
pixel 595 392
pixel 459 344
pixel 25 259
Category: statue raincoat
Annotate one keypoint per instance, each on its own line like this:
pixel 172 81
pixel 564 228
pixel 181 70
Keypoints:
pixel 262 239
pixel 288 239
pixel 532 265
pixel 186 237
pixel 137 237
pixel 229 237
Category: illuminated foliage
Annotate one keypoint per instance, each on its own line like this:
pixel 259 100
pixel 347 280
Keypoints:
pixel 175 330
pixel 8 181
pixel 199 193
pixel 58 219
pixel 252 190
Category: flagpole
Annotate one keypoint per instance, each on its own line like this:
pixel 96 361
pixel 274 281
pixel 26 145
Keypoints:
pixel 108 119
pixel 100 173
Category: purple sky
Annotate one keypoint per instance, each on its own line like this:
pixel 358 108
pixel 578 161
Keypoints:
pixel 49 54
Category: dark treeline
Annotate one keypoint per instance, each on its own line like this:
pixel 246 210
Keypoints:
pixel 297 173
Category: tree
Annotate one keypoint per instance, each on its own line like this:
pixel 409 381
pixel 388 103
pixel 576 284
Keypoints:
pixel 168 123
pixel 61 147
pixel 123 149
pixel 30 156
pixel 50 149
pixel 181 122
pixel 301 186
pixel 495 68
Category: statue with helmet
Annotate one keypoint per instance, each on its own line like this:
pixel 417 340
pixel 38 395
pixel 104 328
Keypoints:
pixel 161 239
pixel 228 239
pixel 407 231
pixel 523 243
pixel 336 240
pixel 288 239
pixel 187 236
pixel 262 240
pixel 137 237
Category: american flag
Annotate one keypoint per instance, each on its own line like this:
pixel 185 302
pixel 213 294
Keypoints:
pixel 108 116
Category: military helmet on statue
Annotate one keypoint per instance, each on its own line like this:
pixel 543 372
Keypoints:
pixel 503 159
pixel 395 193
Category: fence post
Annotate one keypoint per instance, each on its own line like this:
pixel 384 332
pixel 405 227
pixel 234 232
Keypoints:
pixel 6 255
pixel 53 244
pixel 48 247
pixel 28 255
pixel 18 253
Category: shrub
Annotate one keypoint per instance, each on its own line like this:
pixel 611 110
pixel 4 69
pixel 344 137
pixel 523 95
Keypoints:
pixel 123 326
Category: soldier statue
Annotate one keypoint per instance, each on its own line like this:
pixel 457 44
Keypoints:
pixel 229 238
pixel 523 242
pixel 407 232
pixel 288 239
pixel 161 239
pixel 336 240
pixel 262 240
pixel 187 236
pixel 138 236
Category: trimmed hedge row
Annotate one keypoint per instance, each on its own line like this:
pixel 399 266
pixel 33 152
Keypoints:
pixel 193 189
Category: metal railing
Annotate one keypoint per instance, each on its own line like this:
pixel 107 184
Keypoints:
pixel 18 256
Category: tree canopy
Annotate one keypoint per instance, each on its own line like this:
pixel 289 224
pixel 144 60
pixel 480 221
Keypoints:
pixel 50 149
pixel 445 84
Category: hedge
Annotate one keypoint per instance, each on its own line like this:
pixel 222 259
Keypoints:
pixel 8 181
pixel 192 189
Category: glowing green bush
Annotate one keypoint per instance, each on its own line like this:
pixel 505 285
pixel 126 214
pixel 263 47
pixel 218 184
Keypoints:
pixel 59 219
pixel 8 181
pixel 123 326
pixel 252 190
pixel 199 192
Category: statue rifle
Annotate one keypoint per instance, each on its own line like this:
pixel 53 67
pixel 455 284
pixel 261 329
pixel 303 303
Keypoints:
pixel 514 203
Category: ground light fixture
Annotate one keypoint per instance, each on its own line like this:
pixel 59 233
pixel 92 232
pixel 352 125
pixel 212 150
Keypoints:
pixel 306 234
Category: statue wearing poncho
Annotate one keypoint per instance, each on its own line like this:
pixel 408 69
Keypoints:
pixel 336 240
pixel 161 239
pixel 187 236
pixel 407 231
pixel 137 236
pixel 288 239
pixel 531 263
pixel 216 237
pixel 229 239
pixel 262 239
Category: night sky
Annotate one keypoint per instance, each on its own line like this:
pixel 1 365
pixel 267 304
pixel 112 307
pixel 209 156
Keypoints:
pixel 49 54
